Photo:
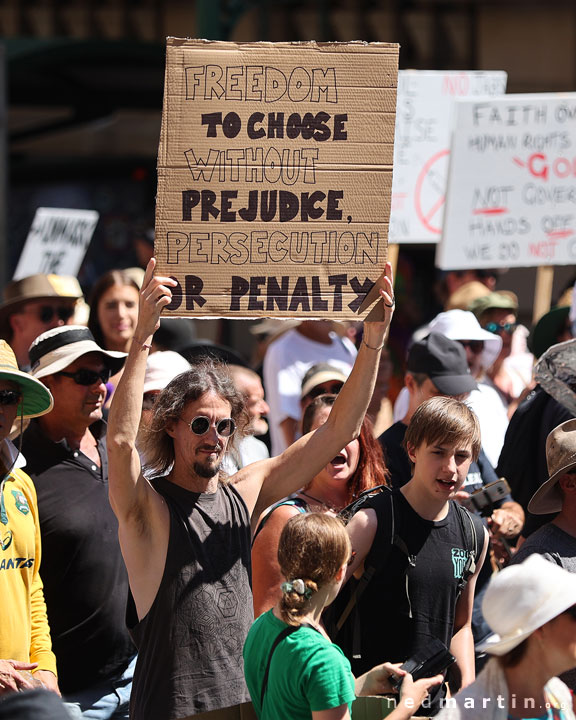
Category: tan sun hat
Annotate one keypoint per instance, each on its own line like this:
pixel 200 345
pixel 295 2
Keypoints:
pixel 465 295
pixel 36 287
pixel 55 349
pixel 319 374
pixel 36 398
pixel 561 458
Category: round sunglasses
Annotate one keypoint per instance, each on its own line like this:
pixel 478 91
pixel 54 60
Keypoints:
pixel 86 377
pixel 201 424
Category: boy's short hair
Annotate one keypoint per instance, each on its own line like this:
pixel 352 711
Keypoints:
pixel 444 419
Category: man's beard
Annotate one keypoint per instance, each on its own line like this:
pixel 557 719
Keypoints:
pixel 207 471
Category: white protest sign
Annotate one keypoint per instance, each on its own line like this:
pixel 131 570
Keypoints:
pixel 424 121
pixel 57 242
pixel 512 183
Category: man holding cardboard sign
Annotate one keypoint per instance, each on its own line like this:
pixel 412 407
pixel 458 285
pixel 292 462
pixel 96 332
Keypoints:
pixel 185 535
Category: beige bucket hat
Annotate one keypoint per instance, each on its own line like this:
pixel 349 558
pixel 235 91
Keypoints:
pixel 561 458
pixel 36 287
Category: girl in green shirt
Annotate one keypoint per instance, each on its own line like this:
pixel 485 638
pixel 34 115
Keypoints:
pixel 293 670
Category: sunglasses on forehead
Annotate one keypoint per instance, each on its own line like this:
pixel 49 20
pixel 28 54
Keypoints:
pixel 201 424
pixel 88 377
pixel 9 397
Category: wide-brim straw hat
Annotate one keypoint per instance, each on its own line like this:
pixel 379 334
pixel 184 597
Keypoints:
pixel 36 398
pixel 523 597
pixel 55 349
pixel 36 287
pixel 561 458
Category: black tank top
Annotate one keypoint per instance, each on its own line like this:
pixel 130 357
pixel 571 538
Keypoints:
pixel 190 642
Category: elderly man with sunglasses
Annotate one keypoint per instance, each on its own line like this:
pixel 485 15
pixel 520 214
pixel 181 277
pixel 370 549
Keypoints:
pixel 185 534
pixel 33 305
pixel 85 580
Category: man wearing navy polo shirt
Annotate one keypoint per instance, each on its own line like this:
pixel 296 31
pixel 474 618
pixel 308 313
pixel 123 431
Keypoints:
pixel 85 581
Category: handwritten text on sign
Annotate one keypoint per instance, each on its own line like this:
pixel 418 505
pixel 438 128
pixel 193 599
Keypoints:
pixel 57 242
pixel 424 122
pixel 274 176
pixel 512 183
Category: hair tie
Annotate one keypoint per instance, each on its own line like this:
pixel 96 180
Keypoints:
pixel 298 586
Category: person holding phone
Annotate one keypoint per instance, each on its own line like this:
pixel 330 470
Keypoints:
pixel 313 553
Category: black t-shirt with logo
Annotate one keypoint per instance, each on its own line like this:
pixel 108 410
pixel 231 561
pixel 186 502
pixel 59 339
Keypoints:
pixel 403 606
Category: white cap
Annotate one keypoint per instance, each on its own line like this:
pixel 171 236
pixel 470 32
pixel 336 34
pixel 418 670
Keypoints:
pixel 521 598
pixel 161 368
pixel 463 325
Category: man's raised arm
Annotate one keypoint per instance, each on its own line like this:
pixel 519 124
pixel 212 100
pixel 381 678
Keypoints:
pixel 130 493
pixel 262 483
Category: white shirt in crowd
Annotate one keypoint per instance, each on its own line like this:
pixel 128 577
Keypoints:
pixel 286 362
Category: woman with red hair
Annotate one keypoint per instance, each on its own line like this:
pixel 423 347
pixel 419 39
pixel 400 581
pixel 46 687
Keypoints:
pixel 358 467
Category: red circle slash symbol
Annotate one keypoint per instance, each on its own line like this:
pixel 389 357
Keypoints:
pixel 431 187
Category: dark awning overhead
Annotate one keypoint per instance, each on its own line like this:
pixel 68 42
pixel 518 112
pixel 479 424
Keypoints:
pixel 61 72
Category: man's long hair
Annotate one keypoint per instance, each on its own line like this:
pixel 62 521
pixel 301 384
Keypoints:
pixel 205 376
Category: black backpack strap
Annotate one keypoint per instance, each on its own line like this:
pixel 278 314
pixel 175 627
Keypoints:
pixel 287 631
pixel 471 537
pixel 369 571
pixel 298 503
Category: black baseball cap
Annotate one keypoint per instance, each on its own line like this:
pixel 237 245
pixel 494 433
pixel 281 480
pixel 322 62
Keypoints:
pixel 444 361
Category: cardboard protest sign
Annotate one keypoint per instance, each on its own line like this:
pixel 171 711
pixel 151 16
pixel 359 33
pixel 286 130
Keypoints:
pixel 274 176
pixel 512 183
pixel 57 242
pixel 424 121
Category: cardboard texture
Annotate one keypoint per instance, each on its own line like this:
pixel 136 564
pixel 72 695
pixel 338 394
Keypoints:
pixel 511 184
pixel 275 176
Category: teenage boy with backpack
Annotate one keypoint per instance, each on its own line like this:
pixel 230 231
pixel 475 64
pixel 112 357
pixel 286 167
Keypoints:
pixel 418 553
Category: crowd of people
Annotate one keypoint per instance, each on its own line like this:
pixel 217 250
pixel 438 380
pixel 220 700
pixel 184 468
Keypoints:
pixel 184 537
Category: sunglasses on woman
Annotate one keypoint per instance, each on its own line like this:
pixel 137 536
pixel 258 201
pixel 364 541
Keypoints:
pixel 86 377
pixel 571 611
pixel 9 397
pixel 201 424
pixel 333 389
pixel 496 328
